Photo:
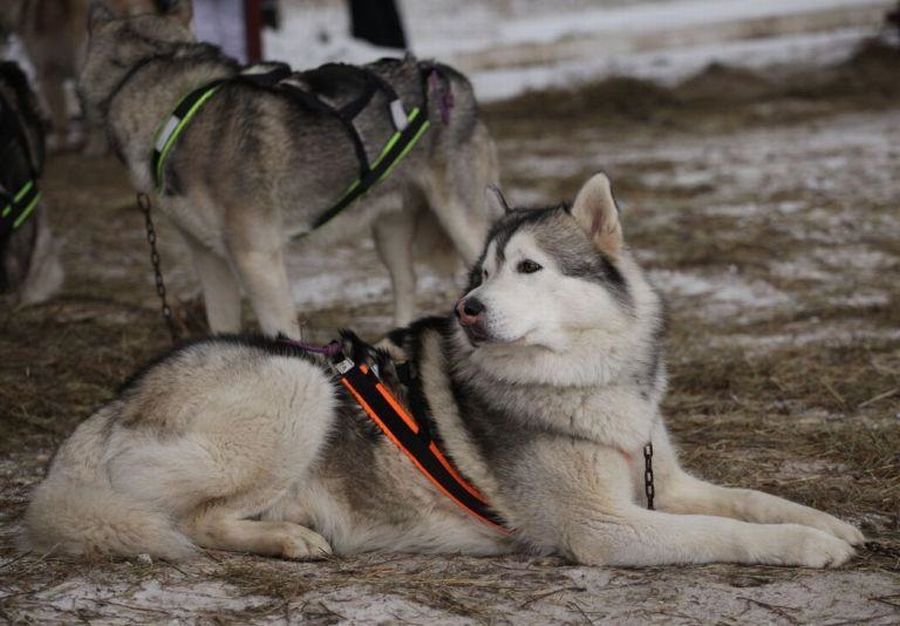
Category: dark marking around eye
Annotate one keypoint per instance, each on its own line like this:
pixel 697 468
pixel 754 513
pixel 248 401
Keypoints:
pixel 527 266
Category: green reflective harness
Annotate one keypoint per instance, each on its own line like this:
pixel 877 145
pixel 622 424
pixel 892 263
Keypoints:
pixel 19 207
pixel 18 198
pixel 408 127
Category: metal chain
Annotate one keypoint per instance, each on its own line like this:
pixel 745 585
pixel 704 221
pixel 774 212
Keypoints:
pixel 144 204
pixel 648 474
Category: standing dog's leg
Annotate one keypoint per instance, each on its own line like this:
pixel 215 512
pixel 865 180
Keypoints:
pixel 679 492
pixel 455 191
pixel 263 275
pixel 393 234
pixel 221 292
pixel 52 82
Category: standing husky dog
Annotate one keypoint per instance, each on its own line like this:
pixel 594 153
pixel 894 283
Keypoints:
pixel 29 263
pixel 543 390
pixel 253 168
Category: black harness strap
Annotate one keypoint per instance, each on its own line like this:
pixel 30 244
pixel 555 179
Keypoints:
pixel 413 436
pixel 409 128
pixel 380 170
pixel 18 196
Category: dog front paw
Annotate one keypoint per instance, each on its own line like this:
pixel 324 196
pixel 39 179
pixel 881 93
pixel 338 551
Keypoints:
pixel 842 530
pixel 810 547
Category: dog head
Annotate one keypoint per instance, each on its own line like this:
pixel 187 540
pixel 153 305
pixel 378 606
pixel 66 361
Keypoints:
pixel 123 33
pixel 555 295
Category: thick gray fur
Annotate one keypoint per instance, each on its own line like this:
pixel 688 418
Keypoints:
pixel 254 169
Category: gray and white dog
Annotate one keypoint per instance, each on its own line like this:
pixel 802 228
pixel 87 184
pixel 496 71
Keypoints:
pixel 253 169
pixel 30 270
pixel 543 389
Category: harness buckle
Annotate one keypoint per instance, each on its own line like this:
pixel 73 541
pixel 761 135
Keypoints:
pixel 342 367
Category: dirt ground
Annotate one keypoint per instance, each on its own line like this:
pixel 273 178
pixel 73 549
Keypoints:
pixel 767 209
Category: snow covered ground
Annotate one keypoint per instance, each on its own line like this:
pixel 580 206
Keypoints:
pixel 510 47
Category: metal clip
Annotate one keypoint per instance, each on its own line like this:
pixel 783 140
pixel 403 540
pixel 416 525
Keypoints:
pixel 343 367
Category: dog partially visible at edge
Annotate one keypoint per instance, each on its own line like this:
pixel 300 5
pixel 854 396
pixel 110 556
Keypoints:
pixel 54 33
pixel 30 270
pixel 253 169
pixel 543 388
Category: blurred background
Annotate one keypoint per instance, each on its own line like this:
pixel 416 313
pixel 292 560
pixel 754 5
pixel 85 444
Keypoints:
pixel 508 46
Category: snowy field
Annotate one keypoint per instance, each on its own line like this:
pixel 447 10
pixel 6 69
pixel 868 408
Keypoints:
pixel 764 203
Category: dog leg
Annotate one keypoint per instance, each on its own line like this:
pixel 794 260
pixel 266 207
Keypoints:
pixel 633 537
pixel 264 277
pixel 583 502
pixel 465 227
pixel 54 89
pixel 217 530
pixel 393 233
pixel 455 191
pixel 679 492
pixel 221 292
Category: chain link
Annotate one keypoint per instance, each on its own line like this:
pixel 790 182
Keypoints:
pixel 144 204
pixel 648 474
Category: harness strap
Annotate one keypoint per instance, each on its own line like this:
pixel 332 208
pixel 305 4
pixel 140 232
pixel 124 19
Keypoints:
pixel 17 207
pixel 314 103
pixel 394 151
pixel 18 198
pixel 409 127
pixel 413 439
pixel 171 129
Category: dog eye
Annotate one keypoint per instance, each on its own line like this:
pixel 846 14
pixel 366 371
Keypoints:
pixel 528 267
pixel 484 274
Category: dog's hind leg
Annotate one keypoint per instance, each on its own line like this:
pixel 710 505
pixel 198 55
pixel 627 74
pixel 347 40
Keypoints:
pixel 221 530
pixel 221 292
pixel 393 233
pixel 455 191
pixel 679 492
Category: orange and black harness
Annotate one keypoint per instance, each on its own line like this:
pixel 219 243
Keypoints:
pixel 407 430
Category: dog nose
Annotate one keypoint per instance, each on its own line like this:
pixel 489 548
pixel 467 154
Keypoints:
pixel 468 310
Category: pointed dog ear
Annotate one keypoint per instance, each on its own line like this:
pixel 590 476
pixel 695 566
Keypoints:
pixel 183 10
pixel 495 202
pixel 596 212
pixel 98 13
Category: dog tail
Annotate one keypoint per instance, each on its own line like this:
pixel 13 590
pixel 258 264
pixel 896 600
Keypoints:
pixel 71 518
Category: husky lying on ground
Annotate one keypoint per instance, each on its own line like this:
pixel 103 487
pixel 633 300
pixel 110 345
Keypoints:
pixel 543 389
pixel 254 169
pixel 30 270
